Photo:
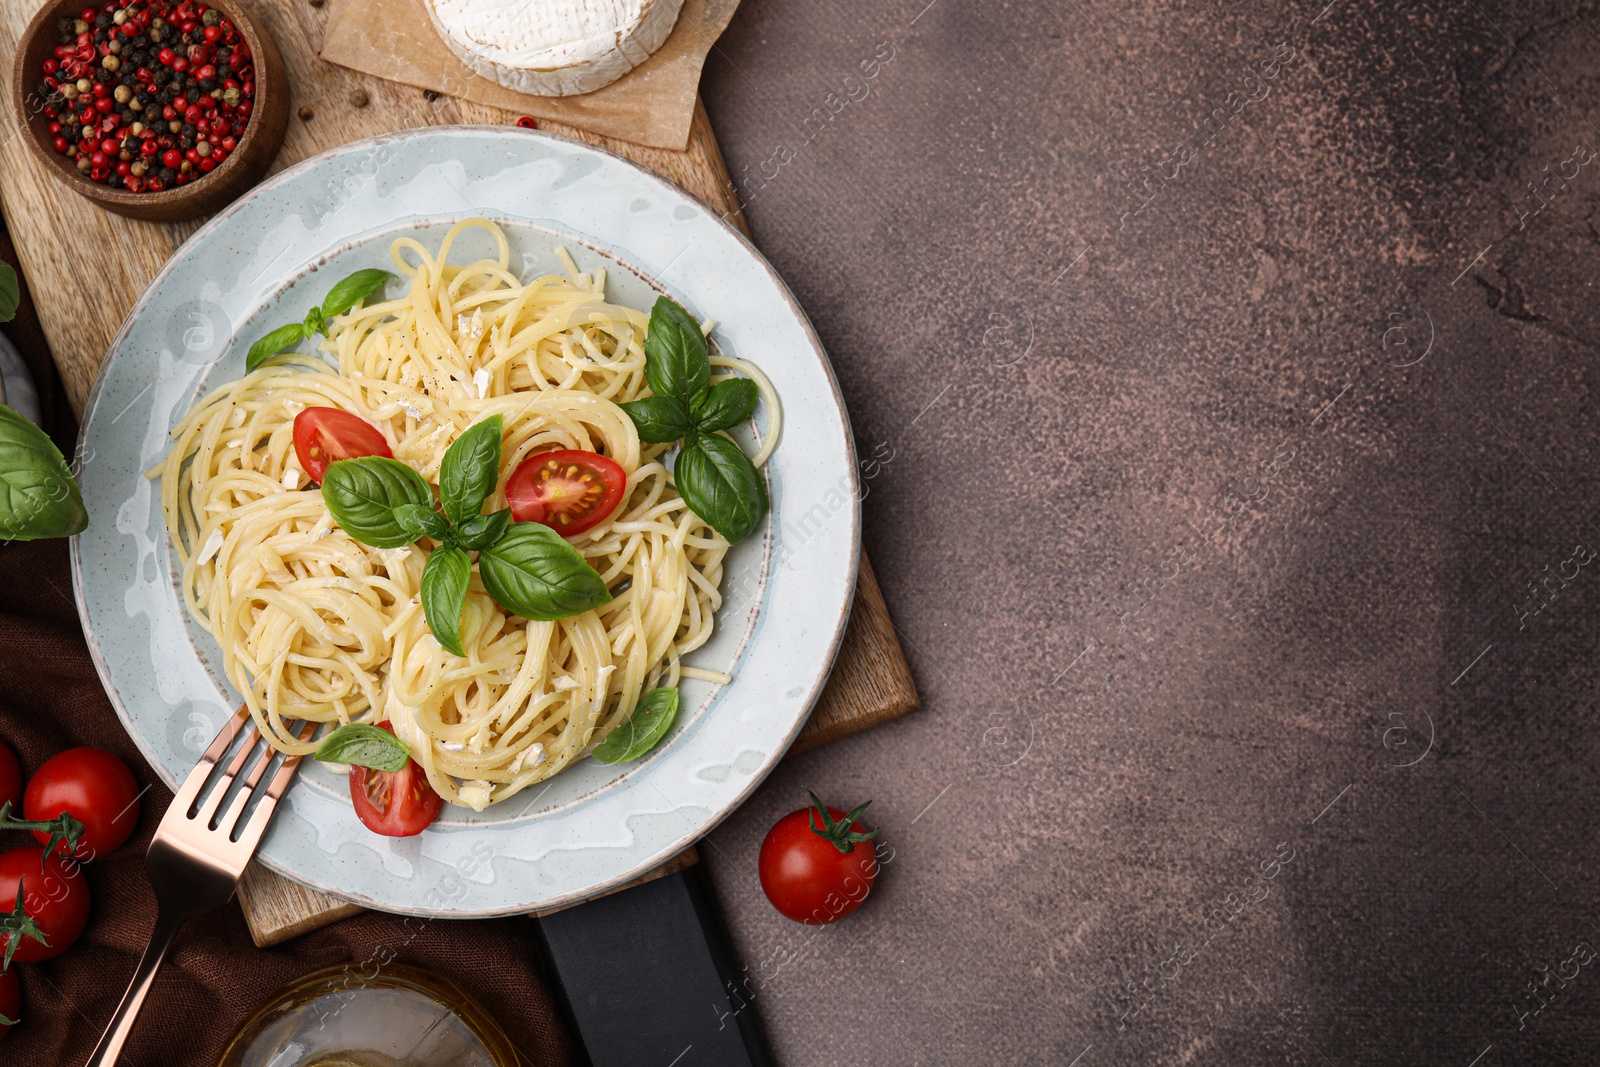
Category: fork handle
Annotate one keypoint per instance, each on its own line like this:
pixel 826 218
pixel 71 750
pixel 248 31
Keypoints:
pixel 110 1048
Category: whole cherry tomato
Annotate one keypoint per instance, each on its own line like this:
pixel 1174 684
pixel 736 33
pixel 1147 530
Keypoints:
pixel 323 436
pixel 394 803
pixel 569 490
pixel 92 786
pixel 817 864
pixel 55 904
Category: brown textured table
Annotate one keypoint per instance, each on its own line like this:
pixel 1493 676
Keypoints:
pixel 64 244
pixel 1186 680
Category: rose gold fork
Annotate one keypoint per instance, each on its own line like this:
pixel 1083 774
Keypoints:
pixel 195 858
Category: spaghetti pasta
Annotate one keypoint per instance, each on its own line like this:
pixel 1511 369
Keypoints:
pixel 313 625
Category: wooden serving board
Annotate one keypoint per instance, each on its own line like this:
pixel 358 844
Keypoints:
pixel 90 267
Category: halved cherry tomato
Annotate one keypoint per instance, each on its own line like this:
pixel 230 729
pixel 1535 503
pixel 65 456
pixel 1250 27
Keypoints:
pixel 394 803
pixel 327 435
pixel 568 491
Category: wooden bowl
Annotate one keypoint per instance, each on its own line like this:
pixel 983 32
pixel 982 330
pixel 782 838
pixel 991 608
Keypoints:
pixel 244 166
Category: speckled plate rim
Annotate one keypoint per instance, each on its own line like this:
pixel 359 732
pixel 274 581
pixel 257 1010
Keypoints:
pixel 699 822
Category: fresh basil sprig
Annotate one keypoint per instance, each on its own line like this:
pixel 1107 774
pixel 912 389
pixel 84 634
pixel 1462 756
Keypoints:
pixel 344 296
pixel 651 719
pixel 38 497
pixel 527 568
pixel 364 494
pixel 362 745
pixel 535 572
pixel 716 478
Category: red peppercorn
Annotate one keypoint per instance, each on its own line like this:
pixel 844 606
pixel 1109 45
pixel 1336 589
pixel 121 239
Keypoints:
pixel 206 73
pixel 218 155
pixel 192 155
pixel 54 127
pixel 154 185
pixel 245 108
pixel 97 159
pixel 130 29
pixel 213 34
pixel 60 144
pixel 207 164
pixel 88 14
pixel 229 144
pixel 172 158
pixel 527 123
pixel 193 115
pixel 108 146
pixel 166 57
pixel 124 167
pixel 50 67
pixel 149 148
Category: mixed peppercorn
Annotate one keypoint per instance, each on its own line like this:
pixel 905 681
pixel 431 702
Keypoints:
pixel 150 95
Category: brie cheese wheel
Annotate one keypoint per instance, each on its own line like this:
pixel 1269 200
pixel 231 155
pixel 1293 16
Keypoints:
pixel 553 47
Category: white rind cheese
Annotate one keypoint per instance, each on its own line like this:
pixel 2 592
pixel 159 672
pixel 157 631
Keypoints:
pixel 554 47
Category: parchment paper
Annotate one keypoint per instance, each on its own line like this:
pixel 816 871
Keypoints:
pixel 651 105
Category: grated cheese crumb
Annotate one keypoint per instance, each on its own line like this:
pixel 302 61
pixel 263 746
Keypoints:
pixel 210 548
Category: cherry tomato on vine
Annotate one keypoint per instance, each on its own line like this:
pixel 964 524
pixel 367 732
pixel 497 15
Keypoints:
pixel 55 904
pixel 10 999
pixel 10 780
pixel 394 803
pixel 327 435
pixel 569 490
pixel 92 786
pixel 817 864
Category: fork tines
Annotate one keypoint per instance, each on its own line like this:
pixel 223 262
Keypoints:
pixel 189 805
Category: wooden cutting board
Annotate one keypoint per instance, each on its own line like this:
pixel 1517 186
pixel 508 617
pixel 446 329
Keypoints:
pixel 88 268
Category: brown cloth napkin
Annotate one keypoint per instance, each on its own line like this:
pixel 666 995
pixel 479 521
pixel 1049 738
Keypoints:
pixel 50 700
pixel 652 104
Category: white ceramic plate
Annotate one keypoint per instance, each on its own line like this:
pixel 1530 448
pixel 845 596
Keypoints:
pixel 274 253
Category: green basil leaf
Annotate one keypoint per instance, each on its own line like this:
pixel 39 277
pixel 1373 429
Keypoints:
pixel 275 342
pixel 677 363
pixel 481 531
pixel 38 497
pixel 10 293
pixel 533 572
pixel 721 485
pixel 729 403
pixel 470 469
pixel 363 493
pixel 422 521
pixel 651 719
pixel 353 290
pixel 659 418
pixel 314 323
pixel 361 745
pixel 444 593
